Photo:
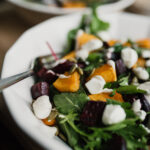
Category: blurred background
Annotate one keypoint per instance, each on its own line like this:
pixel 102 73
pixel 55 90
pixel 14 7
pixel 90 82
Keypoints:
pixel 14 20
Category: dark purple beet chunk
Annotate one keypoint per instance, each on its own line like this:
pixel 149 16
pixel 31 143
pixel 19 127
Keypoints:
pixel 81 64
pixel 117 143
pixel 39 89
pixel 120 67
pixel 115 56
pixel 50 76
pixel 63 67
pixel 130 97
pixel 92 113
pixel 41 72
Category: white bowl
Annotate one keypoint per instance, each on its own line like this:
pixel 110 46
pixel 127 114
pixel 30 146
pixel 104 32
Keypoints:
pixel 116 6
pixel 32 44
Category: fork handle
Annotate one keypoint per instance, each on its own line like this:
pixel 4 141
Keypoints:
pixel 6 82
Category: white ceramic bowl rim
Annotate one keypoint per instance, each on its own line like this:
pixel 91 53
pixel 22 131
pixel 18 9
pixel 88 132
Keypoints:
pixel 18 97
pixel 115 6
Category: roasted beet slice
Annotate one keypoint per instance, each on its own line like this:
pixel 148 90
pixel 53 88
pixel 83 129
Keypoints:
pixel 120 67
pixel 117 143
pixel 92 113
pixel 41 72
pixel 81 64
pixel 130 97
pixel 39 89
pixel 50 76
pixel 63 67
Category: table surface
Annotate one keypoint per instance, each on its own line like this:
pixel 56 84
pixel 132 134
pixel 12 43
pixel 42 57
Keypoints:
pixel 11 27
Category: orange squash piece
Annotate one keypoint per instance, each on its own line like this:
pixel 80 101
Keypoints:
pixel 105 96
pixel 70 55
pixel 106 71
pixel 145 43
pixel 84 38
pixel 112 42
pixel 74 5
pixel 70 84
pixel 49 122
pixel 140 63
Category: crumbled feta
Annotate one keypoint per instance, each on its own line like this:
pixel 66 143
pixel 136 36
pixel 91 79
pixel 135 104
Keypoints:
pixel 141 114
pixel 141 73
pixel 83 54
pixel 113 114
pixel 136 106
pixel 92 45
pixel 105 36
pixel 145 86
pixel 79 33
pixel 109 52
pixel 60 61
pixel 147 96
pixel 95 85
pixel 129 57
pixel 147 64
pixel 42 107
pixel 145 53
pixel 111 63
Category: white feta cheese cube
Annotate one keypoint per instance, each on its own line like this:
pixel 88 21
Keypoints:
pixel 111 63
pixel 141 73
pixel 42 107
pixel 145 53
pixel 129 57
pixel 145 86
pixel 83 54
pixel 136 106
pixel 92 45
pixel 147 64
pixel 141 114
pixel 95 85
pixel 113 114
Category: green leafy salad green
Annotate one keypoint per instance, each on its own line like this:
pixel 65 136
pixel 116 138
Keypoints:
pixel 98 94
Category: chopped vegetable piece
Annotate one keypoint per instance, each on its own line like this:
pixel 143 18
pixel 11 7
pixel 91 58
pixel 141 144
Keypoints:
pixel 49 122
pixel 92 113
pixel 39 89
pixel 70 55
pixel 106 71
pixel 105 96
pixel 112 42
pixel 74 5
pixel 145 43
pixel 70 84
pixel 84 38
pixel 140 63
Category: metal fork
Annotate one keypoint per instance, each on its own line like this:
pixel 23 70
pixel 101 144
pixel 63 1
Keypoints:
pixel 45 61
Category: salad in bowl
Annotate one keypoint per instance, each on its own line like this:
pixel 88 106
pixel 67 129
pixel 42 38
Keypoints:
pixel 97 95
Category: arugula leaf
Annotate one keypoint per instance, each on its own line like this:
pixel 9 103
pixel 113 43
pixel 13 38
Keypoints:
pixel 123 81
pixel 97 24
pixel 70 102
pixel 118 48
pixel 130 89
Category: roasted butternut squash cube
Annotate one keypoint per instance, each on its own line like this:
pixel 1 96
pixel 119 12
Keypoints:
pixel 112 42
pixel 145 43
pixel 74 5
pixel 70 55
pixel 106 71
pixel 105 96
pixel 140 63
pixel 70 84
pixel 84 38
